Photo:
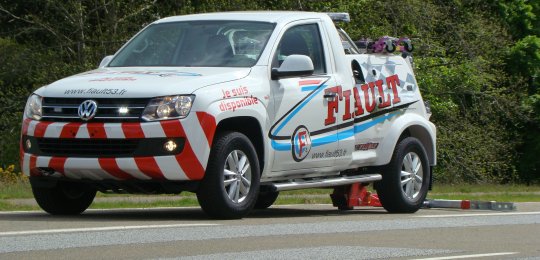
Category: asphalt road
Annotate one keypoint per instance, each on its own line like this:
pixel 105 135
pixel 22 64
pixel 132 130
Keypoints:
pixel 283 232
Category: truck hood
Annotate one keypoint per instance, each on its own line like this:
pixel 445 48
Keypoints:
pixel 140 82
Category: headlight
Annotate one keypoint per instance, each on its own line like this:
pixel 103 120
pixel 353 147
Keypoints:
pixel 33 107
pixel 170 107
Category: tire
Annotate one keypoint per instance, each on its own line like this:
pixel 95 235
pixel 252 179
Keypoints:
pixel 390 46
pixel 405 181
pixel 227 192
pixel 66 198
pixel 266 199
pixel 409 47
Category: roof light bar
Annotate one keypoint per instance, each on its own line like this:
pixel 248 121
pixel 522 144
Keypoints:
pixel 340 17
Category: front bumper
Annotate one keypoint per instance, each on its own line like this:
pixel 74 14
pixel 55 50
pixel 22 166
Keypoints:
pixel 115 151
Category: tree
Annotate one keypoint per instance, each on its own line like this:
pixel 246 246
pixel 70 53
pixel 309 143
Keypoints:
pixel 477 62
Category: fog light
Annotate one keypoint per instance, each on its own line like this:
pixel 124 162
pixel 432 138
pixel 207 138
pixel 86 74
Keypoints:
pixel 170 146
pixel 28 144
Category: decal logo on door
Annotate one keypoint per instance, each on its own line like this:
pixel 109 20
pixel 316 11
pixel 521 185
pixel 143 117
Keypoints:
pixel 301 143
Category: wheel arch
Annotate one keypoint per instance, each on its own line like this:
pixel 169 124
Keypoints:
pixel 423 135
pixel 250 127
pixel 409 126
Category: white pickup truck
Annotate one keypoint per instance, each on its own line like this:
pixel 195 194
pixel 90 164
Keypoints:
pixel 234 107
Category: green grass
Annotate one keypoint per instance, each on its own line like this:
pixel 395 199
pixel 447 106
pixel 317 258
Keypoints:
pixel 501 193
pixel 182 201
pixel 17 190
pixel 8 206
pixel 190 200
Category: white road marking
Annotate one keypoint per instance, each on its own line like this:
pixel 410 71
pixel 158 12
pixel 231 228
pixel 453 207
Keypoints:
pixel 15 212
pixel 480 214
pixel 468 256
pixel 143 209
pixel 91 229
pixel 40 212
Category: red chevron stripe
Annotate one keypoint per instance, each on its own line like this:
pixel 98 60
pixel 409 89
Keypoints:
pixel 111 167
pixel 41 127
pixel 149 167
pixel 189 163
pixel 57 163
pixel 25 125
pixel 24 131
pixel 208 124
pixel 21 155
pixel 132 130
pixel 173 128
pixel 96 130
pixel 187 159
pixel 33 168
pixel 70 130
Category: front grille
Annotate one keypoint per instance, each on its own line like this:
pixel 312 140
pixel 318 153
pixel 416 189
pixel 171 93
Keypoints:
pixel 66 109
pixel 97 147
pixel 88 147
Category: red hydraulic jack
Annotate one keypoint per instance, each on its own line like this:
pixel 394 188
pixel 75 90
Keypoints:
pixel 354 195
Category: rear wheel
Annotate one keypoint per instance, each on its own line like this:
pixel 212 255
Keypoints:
pixel 231 183
pixel 405 182
pixel 66 198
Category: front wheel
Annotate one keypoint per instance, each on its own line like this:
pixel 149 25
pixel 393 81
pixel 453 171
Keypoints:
pixel 66 198
pixel 405 182
pixel 231 183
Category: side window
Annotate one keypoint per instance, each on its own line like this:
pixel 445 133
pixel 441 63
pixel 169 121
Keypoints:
pixel 303 40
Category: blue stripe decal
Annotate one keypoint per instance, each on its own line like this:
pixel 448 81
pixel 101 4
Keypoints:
pixel 294 112
pixel 366 126
pixel 350 132
pixel 346 133
pixel 324 140
pixel 309 88
pixel 281 146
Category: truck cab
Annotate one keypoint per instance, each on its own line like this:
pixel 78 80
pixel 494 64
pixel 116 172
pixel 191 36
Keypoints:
pixel 234 107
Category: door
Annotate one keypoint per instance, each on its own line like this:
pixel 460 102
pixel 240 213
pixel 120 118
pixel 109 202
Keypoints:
pixel 300 138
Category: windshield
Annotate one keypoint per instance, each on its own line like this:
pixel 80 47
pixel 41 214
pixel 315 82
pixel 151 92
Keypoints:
pixel 196 44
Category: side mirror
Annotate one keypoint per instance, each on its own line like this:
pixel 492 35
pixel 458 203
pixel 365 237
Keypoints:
pixel 293 66
pixel 105 61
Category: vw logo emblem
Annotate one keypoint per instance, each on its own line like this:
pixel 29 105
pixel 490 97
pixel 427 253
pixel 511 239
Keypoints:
pixel 87 110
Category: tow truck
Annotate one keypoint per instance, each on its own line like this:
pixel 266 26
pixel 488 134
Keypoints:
pixel 235 107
